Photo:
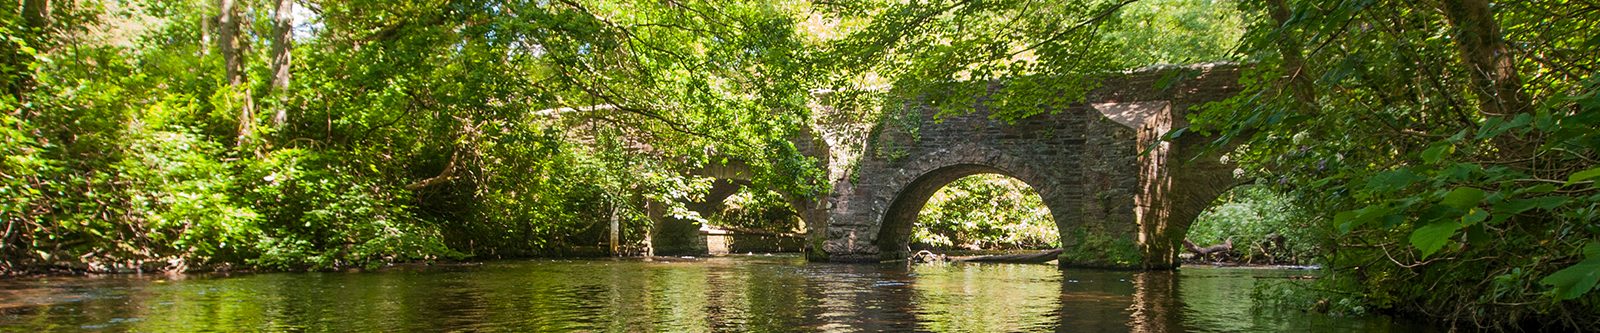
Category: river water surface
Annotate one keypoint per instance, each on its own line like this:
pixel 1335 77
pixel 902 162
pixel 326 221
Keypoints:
pixel 738 293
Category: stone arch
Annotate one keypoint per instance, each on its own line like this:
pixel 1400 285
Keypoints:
pixel 673 236
pixel 1121 192
pixel 934 170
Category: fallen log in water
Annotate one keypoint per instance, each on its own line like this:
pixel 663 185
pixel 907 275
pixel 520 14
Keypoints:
pixel 1206 252
pixel 926 256
pixel 1032 258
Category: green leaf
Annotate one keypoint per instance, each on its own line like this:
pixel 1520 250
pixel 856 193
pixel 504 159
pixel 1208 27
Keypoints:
pixel 1575 280
pixel 1345 220
pixel 1463 197
pixel 1175 133
pixel 1476 235
pixel 1541 188
pixel 1461 171
pixel 1349 220
pixel 1517 206
pixel 1390 181
pixel 1477 215
pixel 1583 175
pixel 1432 155
pixel 1432 237
pixel 1540 202
pixel 1521 120
pixel 1490 128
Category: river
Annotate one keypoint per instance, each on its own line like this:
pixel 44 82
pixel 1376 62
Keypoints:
pixel 736 293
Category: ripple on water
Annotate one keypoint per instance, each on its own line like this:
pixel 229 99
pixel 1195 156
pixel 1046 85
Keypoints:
pixel 741 293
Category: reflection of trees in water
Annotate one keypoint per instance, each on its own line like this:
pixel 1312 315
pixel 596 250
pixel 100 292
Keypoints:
pixel 982 297
pixel 862 297
pixel 778 297
pixel 678 299
pixel 164 307
pixel 717 294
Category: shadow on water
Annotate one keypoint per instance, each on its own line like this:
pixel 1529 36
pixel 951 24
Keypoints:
pixel 755 293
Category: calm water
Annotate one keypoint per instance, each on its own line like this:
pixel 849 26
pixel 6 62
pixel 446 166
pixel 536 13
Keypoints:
pixel 759 294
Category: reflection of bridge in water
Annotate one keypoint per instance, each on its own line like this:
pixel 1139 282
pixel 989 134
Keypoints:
pixel 1113 206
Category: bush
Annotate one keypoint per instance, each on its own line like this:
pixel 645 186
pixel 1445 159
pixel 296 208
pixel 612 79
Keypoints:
pixel 1251 215
pixel 986 211
pixel 320 212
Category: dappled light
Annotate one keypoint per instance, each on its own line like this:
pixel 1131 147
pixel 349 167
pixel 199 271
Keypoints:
pixel 688 165
pixel 1263 226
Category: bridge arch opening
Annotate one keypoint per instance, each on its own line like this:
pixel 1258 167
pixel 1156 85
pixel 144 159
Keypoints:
pixel 909 225
pixel 1253 224
pixel 732 216
pixel 985 212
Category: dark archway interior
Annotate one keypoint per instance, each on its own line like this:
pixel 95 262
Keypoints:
pixel 894 235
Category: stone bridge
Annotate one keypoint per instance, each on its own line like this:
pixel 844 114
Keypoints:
pixel 673 236
pixel 1115 204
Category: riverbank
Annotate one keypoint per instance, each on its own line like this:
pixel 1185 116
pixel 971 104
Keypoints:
pixel 135 268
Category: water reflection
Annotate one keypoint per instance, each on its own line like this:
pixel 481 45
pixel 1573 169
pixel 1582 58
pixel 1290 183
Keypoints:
pixel 1154 304
pixel 968 298
pixel 772 294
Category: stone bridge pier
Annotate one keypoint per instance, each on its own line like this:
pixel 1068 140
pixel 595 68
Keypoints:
pixel 1120 196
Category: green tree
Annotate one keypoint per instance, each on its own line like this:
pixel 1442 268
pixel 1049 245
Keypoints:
pixel 987 211
pixel 1451 144
pixel 419 130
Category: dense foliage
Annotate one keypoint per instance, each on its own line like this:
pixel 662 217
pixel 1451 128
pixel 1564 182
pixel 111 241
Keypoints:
pixel 1444 151
pixel 1036 56
pixel 1450 145
pixel 985 212
pixel 757 209
pixel 1265 227
pixel 316 134
pixel 290 134
pixel 1447 148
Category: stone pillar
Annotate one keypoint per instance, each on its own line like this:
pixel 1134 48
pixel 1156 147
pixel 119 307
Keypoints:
pixel 1155 189
pixel 1178 180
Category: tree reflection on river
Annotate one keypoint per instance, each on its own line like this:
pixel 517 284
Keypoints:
pixel 740 293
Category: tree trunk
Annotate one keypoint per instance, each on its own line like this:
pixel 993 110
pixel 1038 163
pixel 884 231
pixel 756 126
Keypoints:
pixel 37 15
pixel 649 241
pixel 18 79
pixel 228 41
pixel 1486 54
pixel 1293 61
pixel 616 234
pixel 1033 258
pixel 206 31
pixel 446 175
pixel 282 43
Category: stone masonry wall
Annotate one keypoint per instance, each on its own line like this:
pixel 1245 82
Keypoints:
pixel 1113 206
pixel 909 159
